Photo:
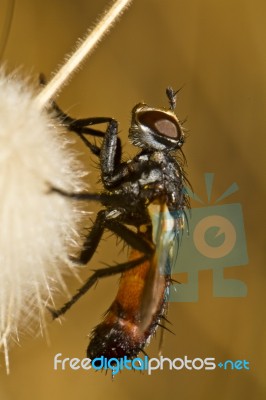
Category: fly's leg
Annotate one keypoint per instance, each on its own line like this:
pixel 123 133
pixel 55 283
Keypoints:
pixel 104 221
pixel 91 243
pixel 83 126
pixel 113 170
pixel 79 126
pixel 98 274
pixel 110 153
pixel 101 223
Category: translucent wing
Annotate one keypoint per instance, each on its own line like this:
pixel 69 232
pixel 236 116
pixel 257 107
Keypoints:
pixel 166 231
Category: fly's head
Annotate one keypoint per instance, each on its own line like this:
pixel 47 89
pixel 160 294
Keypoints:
pixel 156 128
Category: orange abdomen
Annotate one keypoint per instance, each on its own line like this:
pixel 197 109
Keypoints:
pixel 134 314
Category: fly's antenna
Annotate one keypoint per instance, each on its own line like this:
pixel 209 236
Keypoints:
pixel 171 94
pixel 6 26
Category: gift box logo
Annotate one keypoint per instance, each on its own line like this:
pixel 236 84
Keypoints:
pixel 216 240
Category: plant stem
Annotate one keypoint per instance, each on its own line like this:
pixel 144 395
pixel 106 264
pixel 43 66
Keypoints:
pixel 84 48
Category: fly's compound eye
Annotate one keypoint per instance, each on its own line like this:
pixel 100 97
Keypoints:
pixel 155 129
pixel 164 125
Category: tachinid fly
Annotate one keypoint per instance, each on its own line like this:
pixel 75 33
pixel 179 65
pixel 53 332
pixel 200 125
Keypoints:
pixel 144 203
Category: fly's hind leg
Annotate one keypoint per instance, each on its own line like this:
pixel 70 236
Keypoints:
pixel 98 274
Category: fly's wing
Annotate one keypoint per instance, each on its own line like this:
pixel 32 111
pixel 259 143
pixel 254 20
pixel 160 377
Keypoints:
pixel 155 293
pixel 182 227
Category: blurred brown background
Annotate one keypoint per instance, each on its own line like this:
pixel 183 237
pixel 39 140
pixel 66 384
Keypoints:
pixel 216 49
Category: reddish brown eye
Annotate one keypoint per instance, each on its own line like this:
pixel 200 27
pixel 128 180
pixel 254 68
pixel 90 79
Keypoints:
pixel 166 127
pixel 161 123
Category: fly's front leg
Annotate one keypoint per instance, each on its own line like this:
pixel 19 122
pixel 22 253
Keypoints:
pixel 80 126
pixel 113 171
pixel 109 151
pixel 83 127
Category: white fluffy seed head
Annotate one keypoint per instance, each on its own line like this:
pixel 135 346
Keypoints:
pixel 36 227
